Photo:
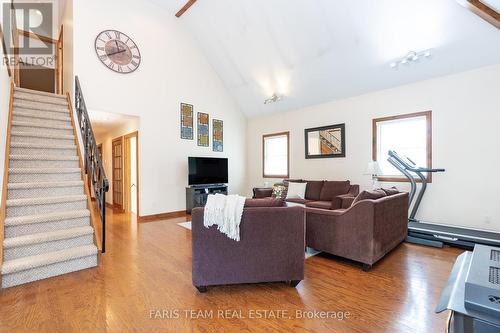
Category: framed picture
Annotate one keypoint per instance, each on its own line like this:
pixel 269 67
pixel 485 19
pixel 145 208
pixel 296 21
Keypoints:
pixel 218 135
pixel 187 121
pixel 325 142
pixel 203 129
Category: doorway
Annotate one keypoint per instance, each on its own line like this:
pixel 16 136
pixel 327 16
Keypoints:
pixel 131 173
pixel 47 77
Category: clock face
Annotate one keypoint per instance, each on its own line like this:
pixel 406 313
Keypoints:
pixel 117 51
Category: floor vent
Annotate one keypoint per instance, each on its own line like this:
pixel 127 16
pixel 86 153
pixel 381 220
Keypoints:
pixel 495 255
pixel 494 275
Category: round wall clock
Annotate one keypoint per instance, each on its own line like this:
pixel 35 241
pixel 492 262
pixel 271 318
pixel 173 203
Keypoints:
pixel 117 51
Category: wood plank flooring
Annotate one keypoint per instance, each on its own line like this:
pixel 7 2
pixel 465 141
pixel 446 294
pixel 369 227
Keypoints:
pixel 144 285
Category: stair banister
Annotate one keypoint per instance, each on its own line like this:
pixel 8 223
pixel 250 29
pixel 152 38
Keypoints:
pixel 94 167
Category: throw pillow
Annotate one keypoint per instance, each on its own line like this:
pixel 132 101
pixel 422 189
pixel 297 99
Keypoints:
pixel 372 195
pixel 279 191
pixel 390 191
pixel 296 191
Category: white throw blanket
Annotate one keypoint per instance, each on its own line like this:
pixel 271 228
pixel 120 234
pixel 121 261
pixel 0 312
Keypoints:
pixel 225 212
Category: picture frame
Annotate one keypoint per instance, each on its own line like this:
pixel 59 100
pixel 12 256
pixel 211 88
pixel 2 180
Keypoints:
pixel 203 129
pixel 187 122
pixel 325 142
pixel 217 135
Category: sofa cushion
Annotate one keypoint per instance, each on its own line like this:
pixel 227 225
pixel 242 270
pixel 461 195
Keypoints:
pixel 265 202
pixel 319 204
pixel 296 191
pixel 372 195
pixel 313 189
pixel 298 201
pixel 333 188
pixel 390 191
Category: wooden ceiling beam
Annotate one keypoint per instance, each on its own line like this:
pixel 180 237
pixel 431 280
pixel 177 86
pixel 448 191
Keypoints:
pixel 480 9
pixel 185 8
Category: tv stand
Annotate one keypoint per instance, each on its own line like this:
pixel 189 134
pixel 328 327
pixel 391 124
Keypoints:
pixel 196 195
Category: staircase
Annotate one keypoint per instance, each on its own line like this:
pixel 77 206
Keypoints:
pixel 47 228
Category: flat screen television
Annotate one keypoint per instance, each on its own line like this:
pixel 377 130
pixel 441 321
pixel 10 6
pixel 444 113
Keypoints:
pixel 207 170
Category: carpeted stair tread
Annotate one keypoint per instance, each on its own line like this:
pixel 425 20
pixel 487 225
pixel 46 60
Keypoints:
pixel 41 145
pixel 24 186
pixel 39 98
pixel 43 170
pixel 26 124
pixel 45 237
pixel 44 158
pixel 26 263
pixel 39 106
pixel 42 135
pixel 45 200
pixel 45 218
pixel 37 92
pixel 41 115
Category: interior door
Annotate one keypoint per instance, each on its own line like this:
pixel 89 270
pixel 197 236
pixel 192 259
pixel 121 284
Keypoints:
pixel 117 166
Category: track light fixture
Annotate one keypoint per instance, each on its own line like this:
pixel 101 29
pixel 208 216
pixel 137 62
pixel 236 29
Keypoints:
pixel 273 99
pixel 411 57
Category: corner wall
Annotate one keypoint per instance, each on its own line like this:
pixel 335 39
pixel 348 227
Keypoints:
pixel 172 71
pixel 466 141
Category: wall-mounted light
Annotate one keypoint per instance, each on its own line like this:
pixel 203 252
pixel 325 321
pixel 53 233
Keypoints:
pixel 273 99
pixel 411 57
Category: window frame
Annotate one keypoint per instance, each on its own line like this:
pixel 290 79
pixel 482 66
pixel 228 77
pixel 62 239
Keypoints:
pixel 264 137
pixel 428 119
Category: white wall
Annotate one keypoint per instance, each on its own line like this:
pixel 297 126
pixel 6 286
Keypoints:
pixel 172 71
pixel 106 139
pixel 466 119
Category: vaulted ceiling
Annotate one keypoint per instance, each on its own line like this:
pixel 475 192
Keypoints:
pixel 313 51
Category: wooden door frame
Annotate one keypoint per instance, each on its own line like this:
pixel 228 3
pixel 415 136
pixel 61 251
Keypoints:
pixel 115 206
pixel 126 175
pixel 60 62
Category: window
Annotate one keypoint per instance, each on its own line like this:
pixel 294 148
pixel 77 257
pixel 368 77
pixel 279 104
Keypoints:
pixel 409 135
pixel 275 155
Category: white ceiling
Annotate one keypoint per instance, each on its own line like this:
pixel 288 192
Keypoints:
pixel 314 51
pixel 106 122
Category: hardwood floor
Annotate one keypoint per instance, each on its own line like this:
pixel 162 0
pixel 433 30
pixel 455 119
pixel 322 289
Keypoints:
pixel 144 284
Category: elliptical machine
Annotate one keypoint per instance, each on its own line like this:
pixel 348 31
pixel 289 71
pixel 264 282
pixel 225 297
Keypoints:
pixel 435 235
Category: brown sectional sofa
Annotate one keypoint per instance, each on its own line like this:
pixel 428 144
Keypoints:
pixel 364 232
pixel 320 193
pixel 359 226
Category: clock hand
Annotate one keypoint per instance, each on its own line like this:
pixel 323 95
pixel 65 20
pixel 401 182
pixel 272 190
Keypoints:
pixel 117 46
pixel 116 52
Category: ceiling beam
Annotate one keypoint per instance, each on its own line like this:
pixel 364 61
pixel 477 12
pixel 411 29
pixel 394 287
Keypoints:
pixel 185 8
pixel 480 9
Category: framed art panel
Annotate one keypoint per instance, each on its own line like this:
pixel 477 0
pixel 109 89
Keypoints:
pixel 203 129
pixel 218 135
pixel 187 126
